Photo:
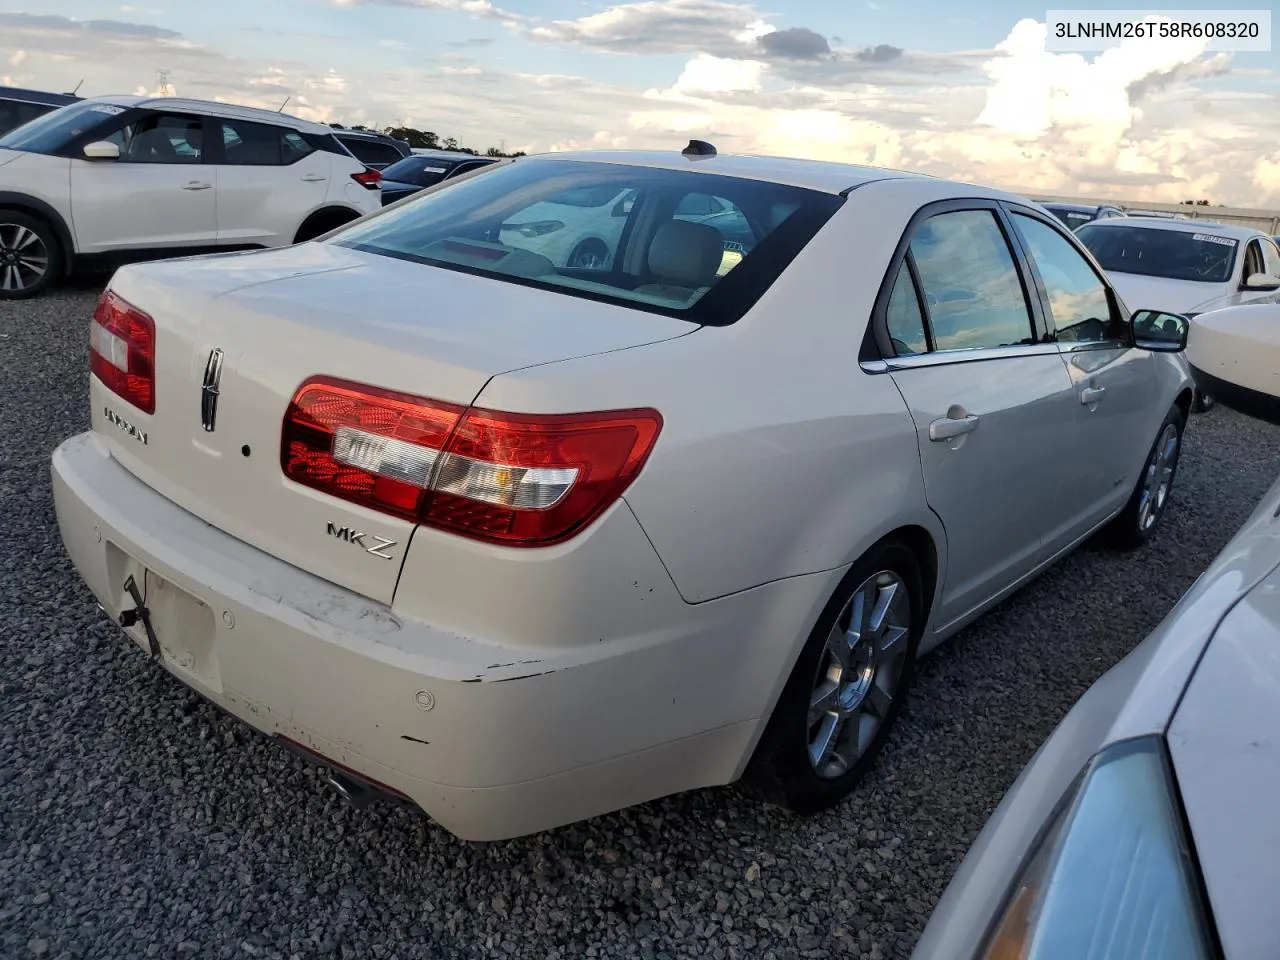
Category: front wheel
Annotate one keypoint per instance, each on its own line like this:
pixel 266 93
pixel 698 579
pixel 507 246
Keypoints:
pixel 1146 507
pixel 846 689
pixel 30 257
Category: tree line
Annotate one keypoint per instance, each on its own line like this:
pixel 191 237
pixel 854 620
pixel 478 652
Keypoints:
pixel 429 140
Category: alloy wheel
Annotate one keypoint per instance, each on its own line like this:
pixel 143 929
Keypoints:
pixel 24 257
pixel 1158 478
pixel 859 674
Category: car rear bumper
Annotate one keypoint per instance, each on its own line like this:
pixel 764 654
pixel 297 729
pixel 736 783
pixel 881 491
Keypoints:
pixel 491 741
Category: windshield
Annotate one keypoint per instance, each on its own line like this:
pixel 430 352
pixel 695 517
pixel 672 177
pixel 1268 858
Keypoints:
pixel 667 241
pixel 421 171
pixel 1171 254
pixel 55 130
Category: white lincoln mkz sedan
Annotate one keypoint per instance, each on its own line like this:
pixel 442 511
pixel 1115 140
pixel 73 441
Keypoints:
pixel 522 544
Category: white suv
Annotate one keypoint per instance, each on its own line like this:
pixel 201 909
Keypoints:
pixel 127 178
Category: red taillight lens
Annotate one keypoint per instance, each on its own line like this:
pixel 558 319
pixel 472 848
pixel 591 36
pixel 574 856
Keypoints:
pixel 368 178
pixel 374 447
pixel 122 351
pixel 516 479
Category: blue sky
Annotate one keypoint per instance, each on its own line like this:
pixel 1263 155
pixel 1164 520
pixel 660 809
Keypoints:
pixel 912 83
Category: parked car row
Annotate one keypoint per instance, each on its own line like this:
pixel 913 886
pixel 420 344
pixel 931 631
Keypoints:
pixel 111 179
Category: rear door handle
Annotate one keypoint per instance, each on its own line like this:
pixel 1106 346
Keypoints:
pixel 197 185
pixel 314 178
pixel 945 428
pixel 1092 394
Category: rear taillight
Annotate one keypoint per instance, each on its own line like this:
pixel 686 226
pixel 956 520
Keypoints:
pixel 516 479
pixel 368 178
pixel 122 351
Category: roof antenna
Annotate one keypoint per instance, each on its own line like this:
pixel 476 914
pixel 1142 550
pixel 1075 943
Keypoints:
pixel 280 109
pixel 699 148
pixel 78 86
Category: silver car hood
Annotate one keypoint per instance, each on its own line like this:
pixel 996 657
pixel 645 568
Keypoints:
pixel 1137 697
pixel 1225 745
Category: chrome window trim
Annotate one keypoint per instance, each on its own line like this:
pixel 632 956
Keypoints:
pixel 939 358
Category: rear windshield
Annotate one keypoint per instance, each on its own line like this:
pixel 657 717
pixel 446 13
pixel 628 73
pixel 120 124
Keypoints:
pixel 673 242
pixel 1153 252
pixel 420 171
pixel 54 130
pixel 1072 218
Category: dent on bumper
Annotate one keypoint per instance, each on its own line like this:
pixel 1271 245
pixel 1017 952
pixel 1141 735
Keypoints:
pixel 492 741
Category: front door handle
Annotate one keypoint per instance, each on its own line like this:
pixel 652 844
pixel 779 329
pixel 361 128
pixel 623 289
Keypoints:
pixel 1092 395
pixel 197 185
pixel 945 428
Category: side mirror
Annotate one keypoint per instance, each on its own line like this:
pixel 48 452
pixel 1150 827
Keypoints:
pixel 1160 332
pixel 101 150
pixel 1262 281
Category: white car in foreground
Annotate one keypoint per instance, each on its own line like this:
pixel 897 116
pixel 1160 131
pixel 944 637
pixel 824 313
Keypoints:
pixel 524 543
pixel 1145 825
pixel 113 179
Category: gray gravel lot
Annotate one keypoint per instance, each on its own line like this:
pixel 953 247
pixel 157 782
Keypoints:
pixel 136 821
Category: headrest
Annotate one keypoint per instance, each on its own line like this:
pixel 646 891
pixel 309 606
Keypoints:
pixel 686 253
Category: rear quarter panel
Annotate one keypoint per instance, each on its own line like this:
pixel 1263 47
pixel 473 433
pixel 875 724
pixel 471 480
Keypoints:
pixel 778 456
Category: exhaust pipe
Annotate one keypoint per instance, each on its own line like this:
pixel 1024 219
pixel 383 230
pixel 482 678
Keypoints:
pixel 356 794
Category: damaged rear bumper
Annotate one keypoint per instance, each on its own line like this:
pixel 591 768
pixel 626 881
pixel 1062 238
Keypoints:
pixel 491 740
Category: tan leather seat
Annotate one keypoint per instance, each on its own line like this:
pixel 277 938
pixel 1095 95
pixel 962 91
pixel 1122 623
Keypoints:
pixel 684 257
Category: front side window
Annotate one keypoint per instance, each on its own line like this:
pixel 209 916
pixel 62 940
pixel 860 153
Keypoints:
pixel 580 228
pixel 970 283
pixel 58 128
pixel 1270 258
pixel 162 138
pixel 1078 298
pixel 1172 254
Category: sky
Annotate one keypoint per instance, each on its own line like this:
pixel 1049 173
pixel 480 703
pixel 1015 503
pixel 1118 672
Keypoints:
pixel 956 90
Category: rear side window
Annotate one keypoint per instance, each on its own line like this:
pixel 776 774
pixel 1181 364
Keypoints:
pixel 904 316
pixel 970 284
pixel 371 152
pixel 609 232
pixel 246 144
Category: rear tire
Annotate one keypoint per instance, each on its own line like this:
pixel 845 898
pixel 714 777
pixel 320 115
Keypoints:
pixel 318 224
pixel 30 256
pixel 1146 507
pixel 846 689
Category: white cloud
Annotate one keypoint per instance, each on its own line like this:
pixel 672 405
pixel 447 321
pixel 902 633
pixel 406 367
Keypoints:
pixel 1132 123
pixel 706 74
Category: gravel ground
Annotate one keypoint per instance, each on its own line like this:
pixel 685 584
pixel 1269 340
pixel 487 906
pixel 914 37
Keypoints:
pixel 136 821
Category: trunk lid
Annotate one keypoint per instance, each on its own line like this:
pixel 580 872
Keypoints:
pixel 282 316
